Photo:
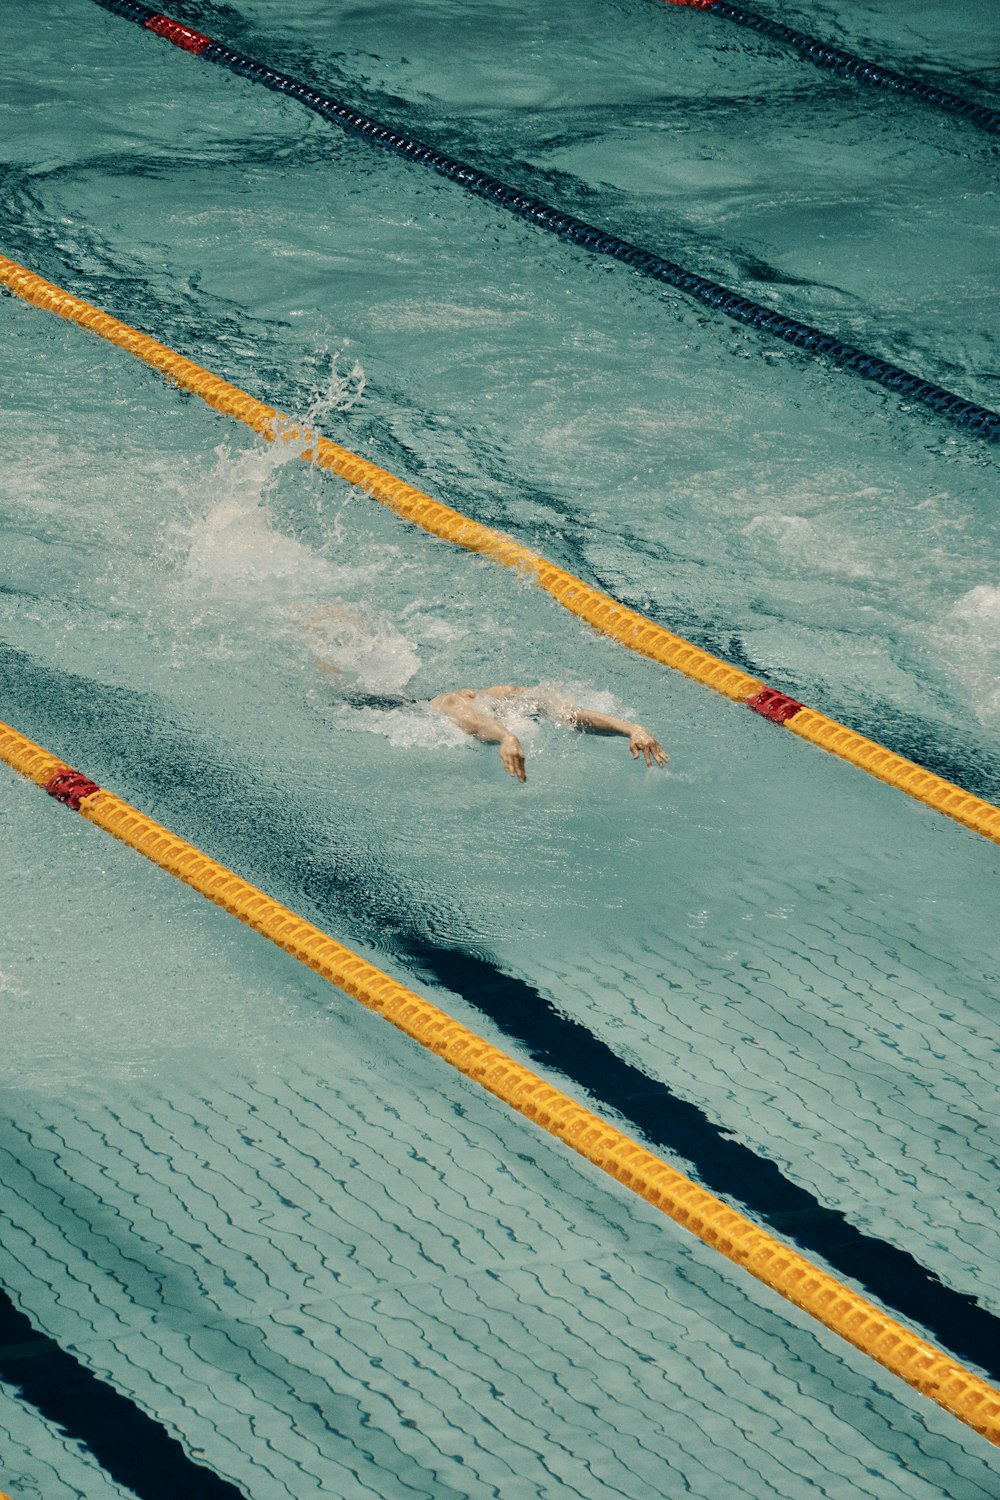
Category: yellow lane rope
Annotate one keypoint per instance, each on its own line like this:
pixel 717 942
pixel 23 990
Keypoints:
pixel 625 625
pixel 842 1310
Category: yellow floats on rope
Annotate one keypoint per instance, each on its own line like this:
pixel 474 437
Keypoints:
pixel 624 625
pixel 924 1367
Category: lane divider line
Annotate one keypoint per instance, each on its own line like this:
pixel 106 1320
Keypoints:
pixel 978 419
pixel 923 1366
pixel 845 63
pixel 605 614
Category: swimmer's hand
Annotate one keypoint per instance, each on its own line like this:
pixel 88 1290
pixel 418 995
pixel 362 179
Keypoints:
pixel 512 756
pixel 461 707
pixel 641 742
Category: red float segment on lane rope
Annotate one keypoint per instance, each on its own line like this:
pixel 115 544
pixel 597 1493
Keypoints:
pixel 771 703
pixel 70 786
pixel 181 36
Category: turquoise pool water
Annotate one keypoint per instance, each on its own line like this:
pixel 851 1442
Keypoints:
pixel 318 1260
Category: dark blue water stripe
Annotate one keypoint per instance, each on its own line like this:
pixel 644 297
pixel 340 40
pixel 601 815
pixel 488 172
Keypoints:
pixel 849 66
pixel 979 419
pixel 133 1449
pixel 724 1165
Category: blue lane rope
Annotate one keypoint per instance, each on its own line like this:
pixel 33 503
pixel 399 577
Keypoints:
pixel 740 309
pixel 849 66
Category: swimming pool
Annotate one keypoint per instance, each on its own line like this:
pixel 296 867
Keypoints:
pixel 319 1263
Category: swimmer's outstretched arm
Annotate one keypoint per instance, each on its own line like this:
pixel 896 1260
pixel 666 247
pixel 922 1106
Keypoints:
pixel 589 720
pixel 641 742
pixel 460 708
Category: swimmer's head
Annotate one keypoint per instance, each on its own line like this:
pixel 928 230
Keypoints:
pixel 352 641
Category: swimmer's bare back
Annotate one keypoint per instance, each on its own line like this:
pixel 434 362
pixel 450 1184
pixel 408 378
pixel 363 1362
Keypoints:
pixel 466 709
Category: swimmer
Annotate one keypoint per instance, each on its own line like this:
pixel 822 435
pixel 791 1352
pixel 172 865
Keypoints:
pixel 477 711
pixel 466 708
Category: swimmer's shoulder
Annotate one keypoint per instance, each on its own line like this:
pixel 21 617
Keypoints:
pixel 509 690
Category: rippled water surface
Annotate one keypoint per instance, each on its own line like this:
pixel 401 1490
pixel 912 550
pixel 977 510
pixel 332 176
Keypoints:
pixel 314 1258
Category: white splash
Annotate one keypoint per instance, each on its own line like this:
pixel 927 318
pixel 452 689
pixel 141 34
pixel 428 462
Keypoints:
pixel 254 585
pixel 969 635
pixel 420 727
pixel 815 545
pixel 352 642
pixel 235 545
